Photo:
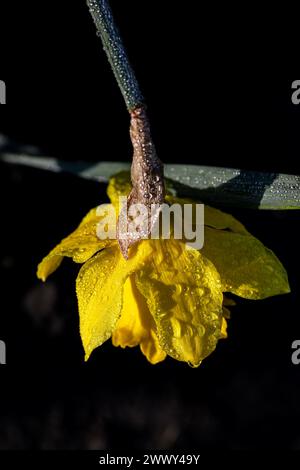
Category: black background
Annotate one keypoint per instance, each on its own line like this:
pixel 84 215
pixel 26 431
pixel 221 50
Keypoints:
pixel 211 100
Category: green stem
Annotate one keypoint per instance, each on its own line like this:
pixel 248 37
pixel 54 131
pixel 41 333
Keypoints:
pixel 114 48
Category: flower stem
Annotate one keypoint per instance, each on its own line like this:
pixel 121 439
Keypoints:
pixel 115 51
pixel 147 174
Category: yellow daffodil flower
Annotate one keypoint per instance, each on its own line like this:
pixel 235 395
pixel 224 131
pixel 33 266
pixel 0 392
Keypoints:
pixel 165 298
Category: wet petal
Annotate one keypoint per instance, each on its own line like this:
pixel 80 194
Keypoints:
pixel 224 334
pixel 247 268
pixel 80 245
pixel 119 186
pixel 212 217
pixel 221 220
pixel 226 315
pixel 183 293
pixel 99 288
pixel 136 325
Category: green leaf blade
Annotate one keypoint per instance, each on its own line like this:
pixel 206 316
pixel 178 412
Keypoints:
pixel 213 185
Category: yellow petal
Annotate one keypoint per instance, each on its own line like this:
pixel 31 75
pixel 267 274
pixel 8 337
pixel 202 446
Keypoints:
pixel 226 315
pixel 119 186
pixel 183 293
pixel 99 288
pixel 212 217
pixel 136 325
pixel 221 220
pixel 224 334
pixel 80 245
pixel 247 268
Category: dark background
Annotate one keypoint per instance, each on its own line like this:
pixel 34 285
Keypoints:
pixel 211 101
